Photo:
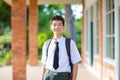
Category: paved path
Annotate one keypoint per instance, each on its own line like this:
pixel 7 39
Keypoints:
pixel 34 73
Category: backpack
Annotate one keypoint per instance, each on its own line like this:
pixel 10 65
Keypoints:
pixel 67 44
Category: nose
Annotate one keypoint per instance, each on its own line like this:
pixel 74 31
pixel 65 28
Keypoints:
pixel 57 26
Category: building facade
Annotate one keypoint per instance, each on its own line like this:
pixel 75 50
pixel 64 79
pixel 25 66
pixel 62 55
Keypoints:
pixel 102 38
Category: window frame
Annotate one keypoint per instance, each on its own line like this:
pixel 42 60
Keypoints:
pixel 86 30
pixel 96 24
pixel 105 35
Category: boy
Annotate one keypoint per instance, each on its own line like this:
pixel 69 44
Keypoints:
pixel 55 61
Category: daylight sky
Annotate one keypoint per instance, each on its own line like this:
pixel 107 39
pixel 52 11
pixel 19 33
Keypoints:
pixel 77 10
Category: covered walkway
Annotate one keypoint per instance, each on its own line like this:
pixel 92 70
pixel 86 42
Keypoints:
pixel 34 73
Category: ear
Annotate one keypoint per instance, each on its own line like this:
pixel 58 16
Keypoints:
pixel 63 27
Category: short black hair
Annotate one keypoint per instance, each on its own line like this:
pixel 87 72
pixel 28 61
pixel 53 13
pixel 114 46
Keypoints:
pixel 57 17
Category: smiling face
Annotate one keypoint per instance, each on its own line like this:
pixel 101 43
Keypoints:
pixel 57 27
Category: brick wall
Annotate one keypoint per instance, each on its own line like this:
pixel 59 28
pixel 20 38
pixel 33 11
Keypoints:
pixel 33 31
pixel 19 39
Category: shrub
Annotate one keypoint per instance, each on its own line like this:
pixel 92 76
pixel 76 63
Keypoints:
pixel 42 37
pixel 1 55
pixel 8 57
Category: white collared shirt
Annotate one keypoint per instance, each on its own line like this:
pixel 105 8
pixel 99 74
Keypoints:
pixel 63 57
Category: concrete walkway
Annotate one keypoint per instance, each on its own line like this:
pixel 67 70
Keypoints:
pixel 34 73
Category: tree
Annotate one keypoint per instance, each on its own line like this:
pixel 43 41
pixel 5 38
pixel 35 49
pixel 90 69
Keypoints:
pixel 45 12
pixel 70 22
pixel 5 16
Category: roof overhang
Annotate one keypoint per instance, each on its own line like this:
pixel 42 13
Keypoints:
pixel 41 2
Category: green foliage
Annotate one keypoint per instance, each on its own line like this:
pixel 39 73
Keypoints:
pixel 5 59
pixel 55 9
pixel 43 21
pixel 2 61
pixel 79 24
pixel 8 56
pixel 5 14
pixel 0 3
pixel 5 38
pixel 78 32
pixel 45 12
pixel 1 55
pixel 42 37
pixel 78 41
pixel 1 39
pixel 5 41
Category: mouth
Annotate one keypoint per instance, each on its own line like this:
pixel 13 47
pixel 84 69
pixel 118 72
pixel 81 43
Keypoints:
pixel 57 29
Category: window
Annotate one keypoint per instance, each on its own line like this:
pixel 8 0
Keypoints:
pixel 110 29
pixel 119 3
pixel 109 5
pixel 97 28
pixel 91 13
pixel 110 43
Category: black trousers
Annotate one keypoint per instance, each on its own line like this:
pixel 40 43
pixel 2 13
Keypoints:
pixel 49 75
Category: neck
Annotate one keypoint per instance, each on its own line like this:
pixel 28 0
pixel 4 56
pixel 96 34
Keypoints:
pixel 56 37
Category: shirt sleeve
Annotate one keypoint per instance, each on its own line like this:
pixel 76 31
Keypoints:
pixel 75 55
pixel 44 48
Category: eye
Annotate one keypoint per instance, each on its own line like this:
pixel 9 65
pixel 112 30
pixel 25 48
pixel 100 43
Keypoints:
pixel 54 24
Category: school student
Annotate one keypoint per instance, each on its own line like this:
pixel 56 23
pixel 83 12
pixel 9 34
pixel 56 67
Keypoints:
pixel 55 58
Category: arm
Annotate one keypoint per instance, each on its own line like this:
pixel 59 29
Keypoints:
pixel 43 72
pixel 75 70
pixel 43 61
pixel 75 58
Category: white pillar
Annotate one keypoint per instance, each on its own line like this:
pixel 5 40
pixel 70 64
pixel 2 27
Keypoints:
pixel 117 43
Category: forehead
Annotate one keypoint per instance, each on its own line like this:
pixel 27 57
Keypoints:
pixel 56 22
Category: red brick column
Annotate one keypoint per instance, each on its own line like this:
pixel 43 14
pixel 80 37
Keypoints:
pixel 33 31
pixel 19 39
pixel 101 38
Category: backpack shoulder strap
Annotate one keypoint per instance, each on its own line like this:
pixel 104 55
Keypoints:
pixel 67 42
pixel 47 46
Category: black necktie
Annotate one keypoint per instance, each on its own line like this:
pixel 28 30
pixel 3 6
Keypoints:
pixel 56 57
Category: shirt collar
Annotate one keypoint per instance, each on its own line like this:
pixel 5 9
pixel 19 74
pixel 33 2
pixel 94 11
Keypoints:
pixel 59 40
